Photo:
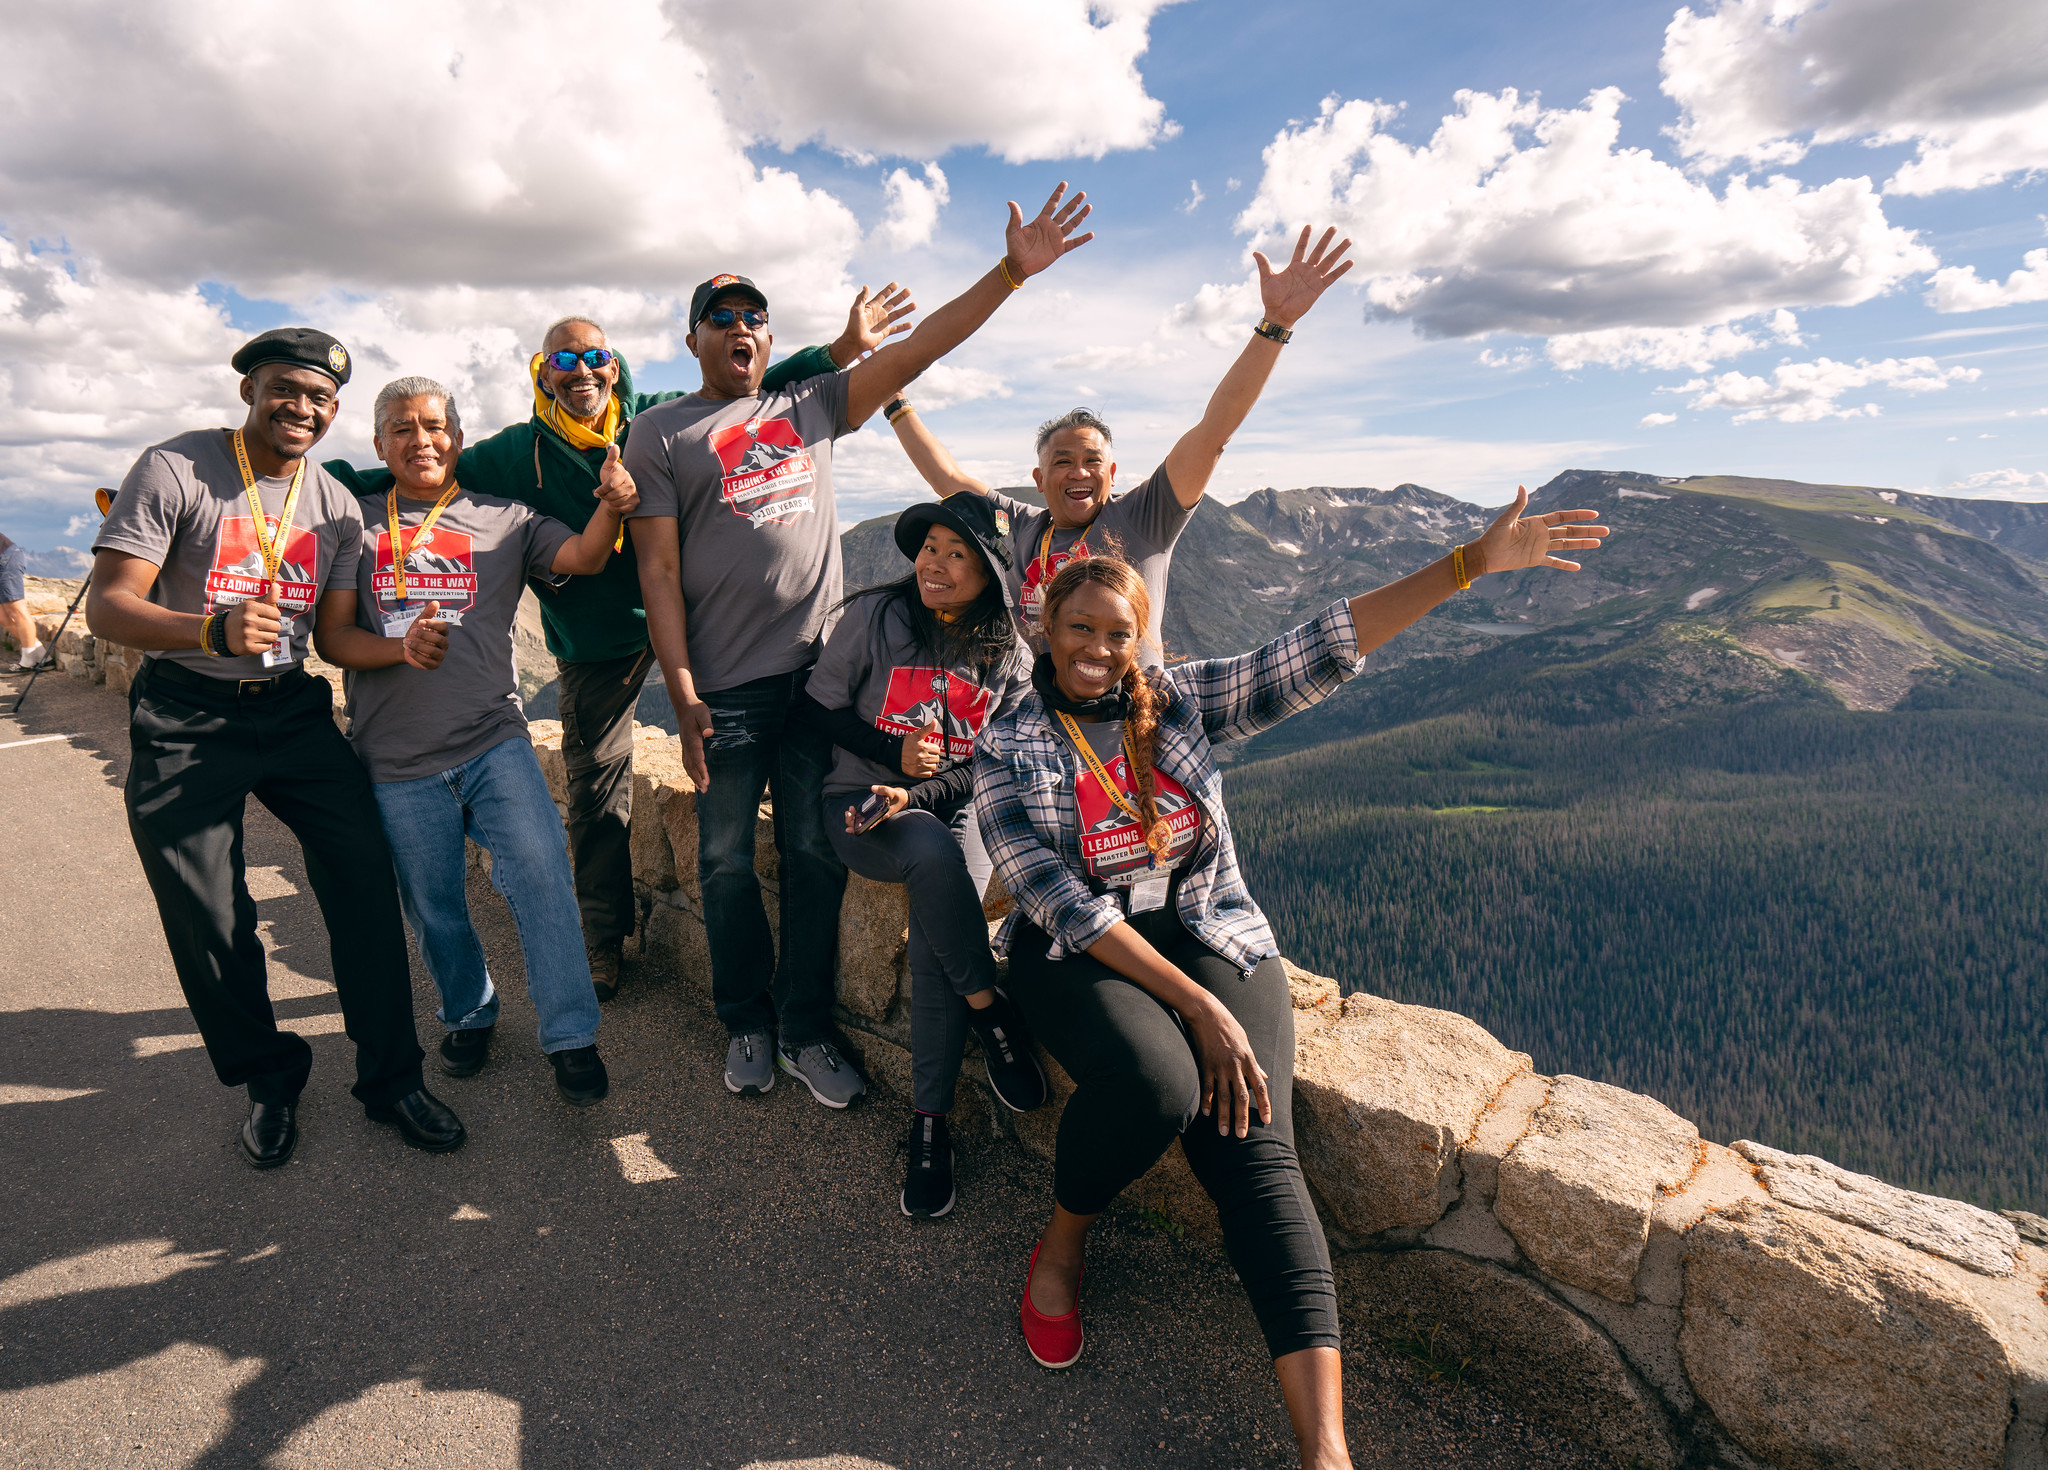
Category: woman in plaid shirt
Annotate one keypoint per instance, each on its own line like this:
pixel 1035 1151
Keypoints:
pixel 1139 959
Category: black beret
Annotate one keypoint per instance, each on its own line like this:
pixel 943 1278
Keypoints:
pixel 299 346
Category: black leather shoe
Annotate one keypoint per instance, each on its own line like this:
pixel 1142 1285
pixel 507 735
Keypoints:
pixel 423 1121
pixel 271 1134
pixel 463 1053
pixel 580 1076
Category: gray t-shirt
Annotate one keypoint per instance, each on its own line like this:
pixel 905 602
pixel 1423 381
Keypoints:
pixel 1145 522
pixel 872 664
pixel 182 507
pixel 1113 850
pixel 749 481
pixel 404 722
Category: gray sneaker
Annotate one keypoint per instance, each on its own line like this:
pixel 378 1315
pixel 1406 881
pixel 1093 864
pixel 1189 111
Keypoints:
pixel 750 1064
pixel 821 1068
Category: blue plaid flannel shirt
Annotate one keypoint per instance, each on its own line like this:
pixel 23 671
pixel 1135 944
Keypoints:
pixel 1024 772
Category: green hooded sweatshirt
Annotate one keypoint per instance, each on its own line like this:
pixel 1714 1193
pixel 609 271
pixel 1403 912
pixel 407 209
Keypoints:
pixel 588 619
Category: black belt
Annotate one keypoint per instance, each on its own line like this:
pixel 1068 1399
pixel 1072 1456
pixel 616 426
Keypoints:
pixel 163 668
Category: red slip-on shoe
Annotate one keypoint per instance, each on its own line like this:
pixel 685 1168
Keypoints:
pixel 1054 1342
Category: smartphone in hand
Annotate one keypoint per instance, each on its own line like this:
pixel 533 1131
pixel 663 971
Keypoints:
pixel 869 813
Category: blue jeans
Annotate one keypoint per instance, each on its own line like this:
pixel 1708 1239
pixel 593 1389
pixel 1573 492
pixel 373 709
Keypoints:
pixel 753 746
pixel 501 800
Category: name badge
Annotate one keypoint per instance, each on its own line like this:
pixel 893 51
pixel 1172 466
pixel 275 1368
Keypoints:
pixel 279 654
pixel 398 622
pixel 1150 894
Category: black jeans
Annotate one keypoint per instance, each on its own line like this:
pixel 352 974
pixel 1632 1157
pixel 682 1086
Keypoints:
pixel 945 869
pixel 1137 1086
pixel 198 755
pixel 753 747
pixel 596 705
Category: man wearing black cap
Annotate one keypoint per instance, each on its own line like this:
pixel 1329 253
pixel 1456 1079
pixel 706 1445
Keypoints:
pixel 219 545
pixel 737 538
pixel 557 461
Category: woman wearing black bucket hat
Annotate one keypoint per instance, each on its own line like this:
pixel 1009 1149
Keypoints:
pixel 913 672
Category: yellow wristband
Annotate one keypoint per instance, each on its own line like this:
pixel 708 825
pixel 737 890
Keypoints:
pixel 1458 568
pixel 206 634
pixel 1003 265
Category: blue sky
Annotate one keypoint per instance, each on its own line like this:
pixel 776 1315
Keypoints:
pixel 1809 312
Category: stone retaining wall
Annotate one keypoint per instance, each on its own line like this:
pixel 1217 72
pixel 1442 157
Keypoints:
pixel 1578 1247
pixel 1602 1267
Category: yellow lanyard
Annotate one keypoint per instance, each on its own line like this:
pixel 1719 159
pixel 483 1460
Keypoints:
pixel 399 548
pixel 1079 548
pixel 1087 751
pixel 270 547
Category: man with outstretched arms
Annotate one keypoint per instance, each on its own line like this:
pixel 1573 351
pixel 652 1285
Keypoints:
pixel 737 537
pixel 584 406
pixel 1076 472
pixel 220 546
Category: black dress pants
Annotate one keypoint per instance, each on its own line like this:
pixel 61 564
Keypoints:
pixel 198 754
pixel 1137 1086
pixel 596 705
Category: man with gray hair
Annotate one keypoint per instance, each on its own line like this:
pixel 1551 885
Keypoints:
pixel 1076 470
pixel 434 713
pixel 557 462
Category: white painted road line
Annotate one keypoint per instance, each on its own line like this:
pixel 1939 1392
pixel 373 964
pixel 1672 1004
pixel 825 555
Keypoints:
pixel 38 740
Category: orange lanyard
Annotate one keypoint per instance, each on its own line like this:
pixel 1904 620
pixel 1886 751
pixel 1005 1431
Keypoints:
pixel 1087 751
pixel 399 548
pixel 1079 548
pixel 269 547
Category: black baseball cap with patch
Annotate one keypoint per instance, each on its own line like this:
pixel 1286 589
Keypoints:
pixel 299 346
pixel 974 517
pixel 722 284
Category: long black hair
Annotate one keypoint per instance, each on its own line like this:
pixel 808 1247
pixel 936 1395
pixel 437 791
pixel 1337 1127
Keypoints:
pixel 982 637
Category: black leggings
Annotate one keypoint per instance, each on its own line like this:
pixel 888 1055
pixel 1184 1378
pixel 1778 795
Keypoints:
pixel 1138 1087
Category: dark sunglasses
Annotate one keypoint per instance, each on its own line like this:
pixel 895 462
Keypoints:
pixel 594 357
pixel 724 316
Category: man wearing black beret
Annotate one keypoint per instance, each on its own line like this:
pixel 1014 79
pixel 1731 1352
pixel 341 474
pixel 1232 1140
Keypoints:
pixel 217 549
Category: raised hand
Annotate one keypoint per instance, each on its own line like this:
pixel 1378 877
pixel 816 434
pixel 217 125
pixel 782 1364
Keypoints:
pixel 923 751
pixel 614 486
pixel 1289 292
pixel 426 641
pixel 1515 540
pixel 871 321
pixel 1034 246
pixel 253 626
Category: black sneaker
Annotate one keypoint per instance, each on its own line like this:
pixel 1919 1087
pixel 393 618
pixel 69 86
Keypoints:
pixel 928 1177
pixel 579 1075
pixel 1013 1071
pixel 463 1053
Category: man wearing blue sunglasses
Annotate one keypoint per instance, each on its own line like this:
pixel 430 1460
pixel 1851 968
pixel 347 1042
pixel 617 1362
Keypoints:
pixel 737 535
pixel 558 461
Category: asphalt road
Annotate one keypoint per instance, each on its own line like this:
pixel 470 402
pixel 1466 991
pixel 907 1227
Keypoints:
pixel 674 1276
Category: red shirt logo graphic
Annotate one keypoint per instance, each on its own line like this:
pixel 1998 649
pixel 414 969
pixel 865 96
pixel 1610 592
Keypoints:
pixel 768 473
pixel 439 567
pixel 916 697
pixel 1111 844
pixel 237 571
pixel 1035 577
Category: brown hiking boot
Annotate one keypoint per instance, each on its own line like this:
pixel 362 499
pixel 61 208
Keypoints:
pixel 605 960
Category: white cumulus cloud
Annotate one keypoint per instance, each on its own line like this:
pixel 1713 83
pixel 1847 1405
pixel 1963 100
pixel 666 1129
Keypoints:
pixel 1055 79
pixel 2006 484
pixel 913 207
pixel 1966 81
pixel 1658 420
pixel 1521 218
pixel 1804 392
pixel 1697 348
pixel 1959 288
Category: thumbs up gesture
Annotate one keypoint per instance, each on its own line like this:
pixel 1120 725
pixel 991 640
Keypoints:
pixel 924 751
pixel 254 625
pixel 426 641
pixel 615 487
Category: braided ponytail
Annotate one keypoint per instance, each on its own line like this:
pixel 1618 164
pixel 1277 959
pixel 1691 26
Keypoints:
pixel 1141 725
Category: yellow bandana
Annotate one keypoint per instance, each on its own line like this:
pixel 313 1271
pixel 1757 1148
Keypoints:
pixel 550 412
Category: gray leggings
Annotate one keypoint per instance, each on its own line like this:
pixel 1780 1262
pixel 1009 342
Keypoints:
pixel 946 869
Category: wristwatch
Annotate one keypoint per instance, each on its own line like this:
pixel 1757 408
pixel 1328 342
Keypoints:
pixel 895 408
pixel 1273 331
